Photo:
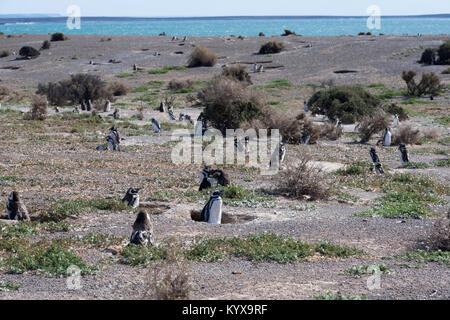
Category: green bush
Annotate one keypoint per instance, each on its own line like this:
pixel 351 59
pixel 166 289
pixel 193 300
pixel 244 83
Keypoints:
pixel 444 53
pixel 28 52
pixel 429 84
pixel 348 103
pixel 45 45
pixel 272 47
pixel 229 103
pixel 428 56
pixel 58 36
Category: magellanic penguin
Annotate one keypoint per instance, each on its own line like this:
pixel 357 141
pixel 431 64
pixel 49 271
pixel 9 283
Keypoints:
pixel 156 126
pixel 88 105
pixel 212 212
pixel 83 106
pixel 107 107
pixel 376 161
pixel 116 114
pixel 114 138
pixel 305 106
pixel 142 230
pixel 15 208
pixel 281 155
pixel 255 68
pixel 132 197
pixel 261 68
pixel 403 153
pixel 171 115
pixel 396 120
pixel 387 137
pixel 199 126
pixel 205 175
pixel 221 177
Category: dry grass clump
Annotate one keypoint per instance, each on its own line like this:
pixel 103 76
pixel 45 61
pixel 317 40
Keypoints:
pixel 118 88
pixel 329 131
pixel 229 103
pixel 237 73
pixel 440 234
pixel 4 53
pixel 302 180
pixel 4 93
pixel 292 129
pixel 372 124
pixel 430 133
pixel 171 278
pixel 429 84
pixel 38 109
pixel 202 57
pixel 406 134
pixel 272 47
pixel 45 45
pixel 176 85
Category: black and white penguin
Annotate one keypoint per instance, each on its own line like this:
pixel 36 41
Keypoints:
pixel 107 107
pixel 116 114
pixel 162 107
pixel 185 39
pixel 205 182
pixel 305 106
pixel 212 212
pixel 15 208
pixel 76 110
pixel 221 177
pixel 199 125
pixel 114 138
pixel 387 138
pixel 261 68
pixel 171 115
pixel 255 68
pixel 396 120
pixel 305 138
pixel 181 118
pixel 142 234
pixel 88 105
pixel 56 109
pixel 83 106
pixel 403 153
pixel 132 197
pixel 156 126
pixel 376 161
pixel 135 67
pixel 281 155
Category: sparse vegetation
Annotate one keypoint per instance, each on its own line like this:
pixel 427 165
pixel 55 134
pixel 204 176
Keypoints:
pixel 372 124
pixel 58 36
pixel 202 57
pixel 38 109
pixel 348 103
pixel 339 296
pixel 237 73
pixel 406 134
pixel 272 47
pixel 429 84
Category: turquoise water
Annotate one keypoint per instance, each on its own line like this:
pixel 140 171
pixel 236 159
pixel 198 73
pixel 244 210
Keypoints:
pixel 246 26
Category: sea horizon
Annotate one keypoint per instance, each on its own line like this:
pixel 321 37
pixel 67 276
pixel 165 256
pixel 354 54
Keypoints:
pixel 307 25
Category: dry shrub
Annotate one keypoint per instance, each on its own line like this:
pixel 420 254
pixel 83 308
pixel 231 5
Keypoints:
pixel 202 57
pixel 171 278
pixel 237 73
pixel 371 125
pixel 79 87
pixel 140 114
pixel 292 129
pixel 38 109
pixel 4 92
pixel 45 45
pixel 430 133
pixel 4 53
pixel 429 84
pixel 118 88
pixel 406 134
pixel 302 179
pixel 331 132
pixel 229 103
pixel 176 85
pixel 272 47
pixel 440 234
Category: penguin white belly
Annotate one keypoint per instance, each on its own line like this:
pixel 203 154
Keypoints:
pixel 135 201
pixel 199 128
pixel 387 139
pixel 215 213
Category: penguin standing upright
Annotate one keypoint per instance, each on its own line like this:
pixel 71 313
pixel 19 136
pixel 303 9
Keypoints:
pixel 156 126
pixel 132 197
pixel 212 212
pixel 171 115
pixel 255 68
pixel 83 106
pixel 387 137
pixel 376 161
pixel 88 105
pixel 305 106
pixel 396 120
pixel 116 114
pixel 281 154
pixel 205 182
pixel 15 208
pixel 107 107
pixel 199 125
pixel 114 140
pixel 142 230
pixel 403 153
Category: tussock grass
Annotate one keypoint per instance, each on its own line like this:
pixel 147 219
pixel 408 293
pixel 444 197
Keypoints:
pixel 6 286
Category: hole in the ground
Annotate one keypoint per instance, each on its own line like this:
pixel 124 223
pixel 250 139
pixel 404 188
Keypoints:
pixel 226 218
pixel 154 208
pixel 345 71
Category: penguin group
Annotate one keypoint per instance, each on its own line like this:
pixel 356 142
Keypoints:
pixel 258 68
pixel 210 176
pixel 378 168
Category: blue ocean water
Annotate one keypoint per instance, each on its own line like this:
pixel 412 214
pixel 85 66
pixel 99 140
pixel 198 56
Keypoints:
pixel 216 26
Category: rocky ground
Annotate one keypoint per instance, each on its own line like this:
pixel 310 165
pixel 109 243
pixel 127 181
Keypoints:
pixel 55 160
